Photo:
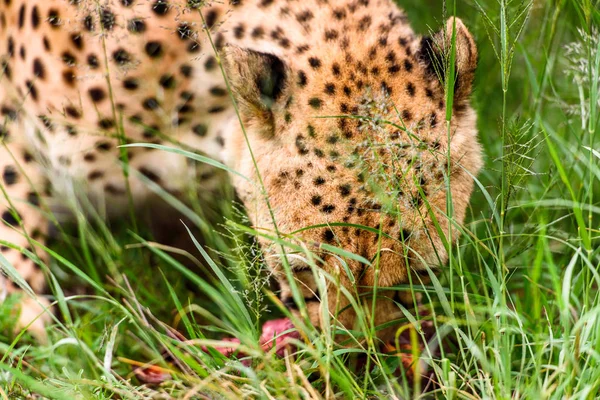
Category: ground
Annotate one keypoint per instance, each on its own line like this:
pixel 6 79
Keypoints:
pixel 516 303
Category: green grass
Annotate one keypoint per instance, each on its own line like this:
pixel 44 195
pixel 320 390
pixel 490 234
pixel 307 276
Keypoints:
pixel 517 304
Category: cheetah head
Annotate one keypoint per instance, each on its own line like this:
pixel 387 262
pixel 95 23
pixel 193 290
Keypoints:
pixel 350 146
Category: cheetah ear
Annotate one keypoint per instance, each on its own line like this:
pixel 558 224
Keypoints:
pixel 435 52
pixel 258 81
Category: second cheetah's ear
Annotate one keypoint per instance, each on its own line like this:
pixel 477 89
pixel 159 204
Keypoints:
pixel 258 81
pixel 435 53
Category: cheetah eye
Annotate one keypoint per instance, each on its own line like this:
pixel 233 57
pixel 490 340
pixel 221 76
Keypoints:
pixel 259 81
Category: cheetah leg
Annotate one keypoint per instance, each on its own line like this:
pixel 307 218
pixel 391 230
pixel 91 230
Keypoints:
pixel 23 228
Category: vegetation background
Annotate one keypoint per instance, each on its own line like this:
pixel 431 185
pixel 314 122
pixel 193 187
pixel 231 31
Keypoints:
pixel 518 303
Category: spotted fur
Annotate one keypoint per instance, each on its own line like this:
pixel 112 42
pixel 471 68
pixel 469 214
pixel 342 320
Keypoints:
pixel 81 77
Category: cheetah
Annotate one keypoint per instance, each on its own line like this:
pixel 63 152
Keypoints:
pixel 336 121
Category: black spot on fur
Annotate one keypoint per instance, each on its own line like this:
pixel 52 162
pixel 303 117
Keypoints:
pixel 314 62
pixel 319 181
pixel 10 46
pixel 210 63
pixel 88 23
pixel 315 103
pixel 153 49
pixel 121 57
pixel 92 61
pixel 35 17
pixel 304 16
pixel 47 122
pixel 136 25
pixel 193 47
pixel 328 235
pixel 186 70
pixel 184 31
pixel 186 96
pixel 71 130
pixel 97 94
pixel 301 145
pixel 95 175
pixel 394 69
pixel 33 199
pixel 160 7
pixel 9 218
pixel 131 84
pixel 302 79
pixel 332 139
pixel 77 40
pixel 69 59
pixel 54 18
pixel 331 34
pixel 150 103
pixel 335 69
pixel 433 121
pixel 218 91
pixel 9 175
pixel 339 14
pixel 103 146
pixel 258 32
pixel 329 88
pixel 9 112
pixel 266 3
pixel 404 235
pixel 167 81
pixel 302 49
pixel 364 23
pixel 345 190
pixel 328 208
pixel 114 190
pixel 200 130
pixel 106 123
pixel 238 31
pixel 410 89
pixel 351 206
pixel 107 19
pixel 32 90
pixel 210 18
pixel 38 69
